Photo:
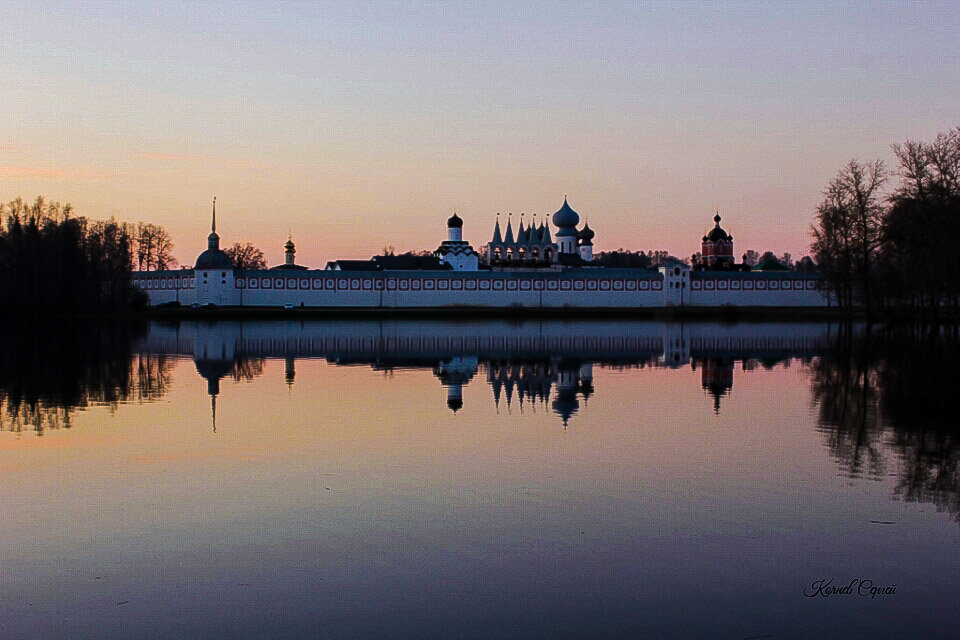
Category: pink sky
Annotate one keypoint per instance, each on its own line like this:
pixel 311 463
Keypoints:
pixel 359 126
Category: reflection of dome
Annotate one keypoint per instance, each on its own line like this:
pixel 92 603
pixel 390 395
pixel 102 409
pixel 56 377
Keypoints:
pixel 565 216
pixel 454 221
pixel 213 259
pixel 212 371
pixel 565 405
pixel 455 404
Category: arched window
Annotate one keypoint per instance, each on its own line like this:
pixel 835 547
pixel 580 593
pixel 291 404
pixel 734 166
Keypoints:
pixel 535 254
pixel 548 254
pixel 522 254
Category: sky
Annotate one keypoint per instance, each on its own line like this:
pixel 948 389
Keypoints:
pixel 357 126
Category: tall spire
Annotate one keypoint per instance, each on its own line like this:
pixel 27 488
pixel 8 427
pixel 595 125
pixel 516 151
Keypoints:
pixel 497 237
pixel 213 240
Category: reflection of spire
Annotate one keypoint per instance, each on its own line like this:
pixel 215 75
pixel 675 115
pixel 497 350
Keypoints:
pixel 497 385
pixel 289 372
pixel 212 370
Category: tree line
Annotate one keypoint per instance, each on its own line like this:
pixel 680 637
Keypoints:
pixel 51 260
pixel 893 251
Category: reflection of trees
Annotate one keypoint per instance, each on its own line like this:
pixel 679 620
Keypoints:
pixel 153 375
pixel 892 392
pixel 246 369
pixel 48 372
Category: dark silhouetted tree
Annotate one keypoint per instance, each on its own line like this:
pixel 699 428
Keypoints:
pixel 246 256
pixel 848 235
pixel 154 248
pixel 51 261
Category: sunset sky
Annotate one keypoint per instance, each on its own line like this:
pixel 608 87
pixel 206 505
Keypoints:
pixel 357 126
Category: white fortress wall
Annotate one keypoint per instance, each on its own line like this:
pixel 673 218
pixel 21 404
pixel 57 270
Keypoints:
pixel 167 286
pixel 427 289
pixel 780 289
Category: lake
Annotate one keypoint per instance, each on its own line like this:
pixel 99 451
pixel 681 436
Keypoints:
pixel 401 478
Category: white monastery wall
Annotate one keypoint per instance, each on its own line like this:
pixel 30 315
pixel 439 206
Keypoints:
pixel 580 289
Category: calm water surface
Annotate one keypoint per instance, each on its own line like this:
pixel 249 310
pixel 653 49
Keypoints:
pixel 489 479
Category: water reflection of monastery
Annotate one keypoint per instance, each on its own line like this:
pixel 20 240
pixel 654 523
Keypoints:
pixel 535 364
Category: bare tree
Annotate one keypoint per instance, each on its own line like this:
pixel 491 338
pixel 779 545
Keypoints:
pixel 154 248
pixel 848 232
pixel 246 256
pixel 920 230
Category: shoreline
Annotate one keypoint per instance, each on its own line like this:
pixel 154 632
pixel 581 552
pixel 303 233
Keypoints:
pixel 518 314
pixel 514 313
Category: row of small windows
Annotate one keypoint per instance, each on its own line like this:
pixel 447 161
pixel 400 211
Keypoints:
pixel 369 284
pixel 748 285
pixel 168 283
pixel 469 284
pixel 392 344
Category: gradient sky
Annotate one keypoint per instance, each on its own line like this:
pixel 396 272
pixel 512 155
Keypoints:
pixel 356 126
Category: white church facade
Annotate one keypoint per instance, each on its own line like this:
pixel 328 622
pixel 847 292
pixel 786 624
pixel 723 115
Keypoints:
pixel 530 268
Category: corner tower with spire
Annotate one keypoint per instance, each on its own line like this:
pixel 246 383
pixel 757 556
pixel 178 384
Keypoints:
pixel 214 271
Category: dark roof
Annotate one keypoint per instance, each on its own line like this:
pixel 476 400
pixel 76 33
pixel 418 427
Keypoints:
pixel 214 259
pixel 429 263
pixel 771 264
pixel 754 275
pixel 570 259
pixel 595 272
pixel 354 265
pixel 717 233
pixel 289 267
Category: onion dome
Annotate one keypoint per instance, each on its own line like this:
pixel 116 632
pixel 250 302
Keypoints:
pixel 454 221
pixel 565 217
pixel 717 233
pixel 289 246
pixel 586 234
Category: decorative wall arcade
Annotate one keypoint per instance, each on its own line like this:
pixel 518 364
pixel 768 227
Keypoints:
pixel 600 288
